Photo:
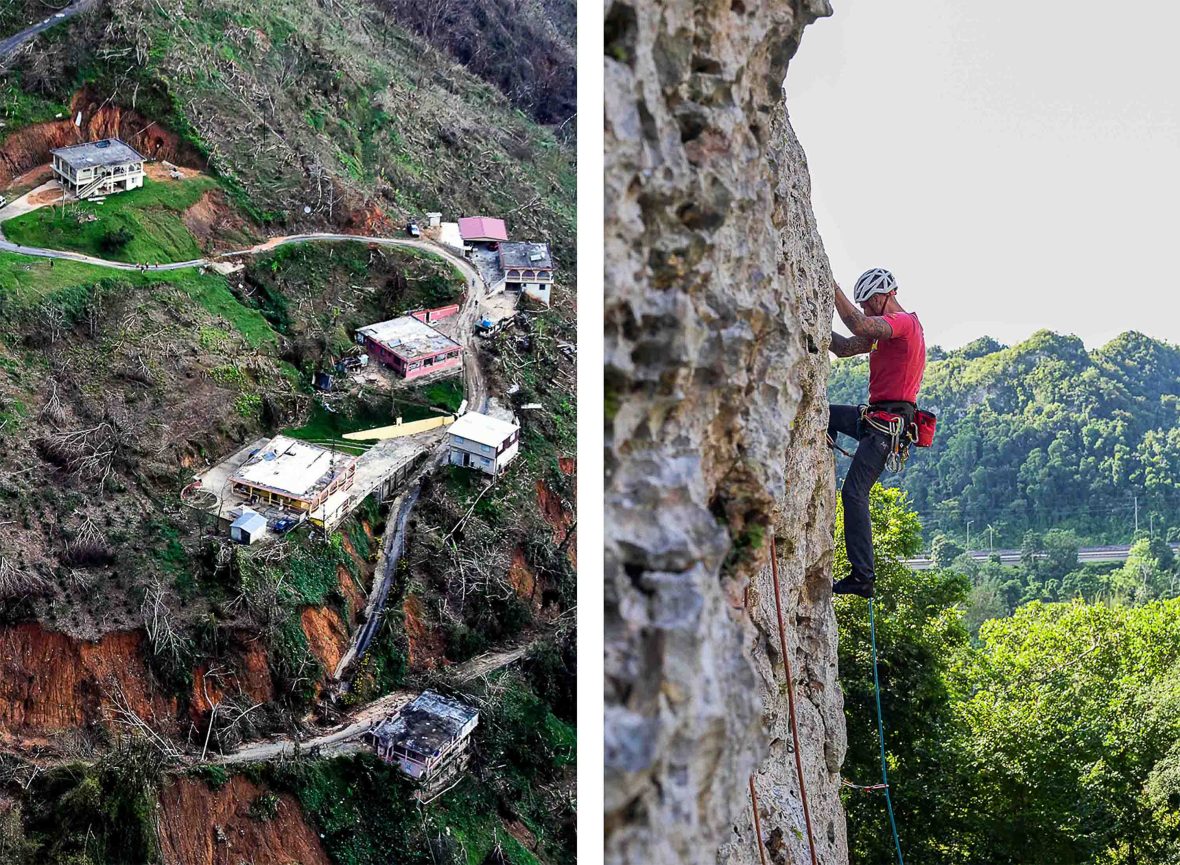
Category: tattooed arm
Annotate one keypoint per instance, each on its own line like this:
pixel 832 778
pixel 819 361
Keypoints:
pixel 869 326
pixel 847 346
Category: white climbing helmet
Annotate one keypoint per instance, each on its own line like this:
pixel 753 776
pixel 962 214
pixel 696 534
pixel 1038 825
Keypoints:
pixel 875 281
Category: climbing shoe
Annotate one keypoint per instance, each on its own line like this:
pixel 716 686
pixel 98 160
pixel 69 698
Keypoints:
pixel 853 586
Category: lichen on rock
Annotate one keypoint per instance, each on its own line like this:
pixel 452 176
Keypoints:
pixel 718 310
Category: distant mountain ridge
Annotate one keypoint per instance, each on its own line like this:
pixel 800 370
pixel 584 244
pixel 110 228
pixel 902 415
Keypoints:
pixel 1044 433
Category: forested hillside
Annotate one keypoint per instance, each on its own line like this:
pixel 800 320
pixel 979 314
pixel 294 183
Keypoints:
pixel 1041 435
pixel 1052 737
pixel 151 670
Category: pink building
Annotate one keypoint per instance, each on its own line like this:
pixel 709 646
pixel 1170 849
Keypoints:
pixel 482 229
pixel 410 347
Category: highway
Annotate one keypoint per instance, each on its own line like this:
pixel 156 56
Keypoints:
pixel 1012 557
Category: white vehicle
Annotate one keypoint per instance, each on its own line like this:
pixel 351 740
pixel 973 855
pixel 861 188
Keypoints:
pixel 60 15
pixel 3 201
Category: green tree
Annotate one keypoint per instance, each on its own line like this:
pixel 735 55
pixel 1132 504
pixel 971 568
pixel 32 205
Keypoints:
pixel 919 632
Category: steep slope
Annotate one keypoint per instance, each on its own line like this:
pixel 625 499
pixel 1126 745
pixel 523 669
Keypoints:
pixel 718 302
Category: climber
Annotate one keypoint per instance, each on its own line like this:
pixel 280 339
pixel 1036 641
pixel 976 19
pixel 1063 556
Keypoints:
pixel 896 346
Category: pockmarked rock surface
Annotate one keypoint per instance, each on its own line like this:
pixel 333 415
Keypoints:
pixel 718 313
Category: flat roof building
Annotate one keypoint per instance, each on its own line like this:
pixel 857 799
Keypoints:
pixel 427 740
pixel 482 229
pixel 526 265
pixel 294 475
pixel 98 167
pixel 482 442
pixel 410 347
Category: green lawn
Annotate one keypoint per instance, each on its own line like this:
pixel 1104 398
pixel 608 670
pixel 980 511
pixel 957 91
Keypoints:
pixel 143 225
pixel 324 426
pixel 27 282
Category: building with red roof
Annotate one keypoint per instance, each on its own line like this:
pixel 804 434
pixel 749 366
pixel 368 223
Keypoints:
pixel 482 229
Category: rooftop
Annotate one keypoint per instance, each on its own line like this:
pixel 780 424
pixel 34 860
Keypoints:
pixel 408 338
pixel 482 228
pixel 251 521
pixel 108 151
pixel 427 725
pixel 524 254
pixel 482 428
pixel 292 467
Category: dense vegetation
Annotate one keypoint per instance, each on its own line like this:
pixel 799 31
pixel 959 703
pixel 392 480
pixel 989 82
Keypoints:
pixel 1052 738
pixel 1044 435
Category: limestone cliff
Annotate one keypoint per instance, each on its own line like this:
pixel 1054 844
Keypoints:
pixel 718 311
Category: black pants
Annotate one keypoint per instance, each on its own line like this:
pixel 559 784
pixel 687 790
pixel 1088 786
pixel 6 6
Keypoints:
pixel 867 464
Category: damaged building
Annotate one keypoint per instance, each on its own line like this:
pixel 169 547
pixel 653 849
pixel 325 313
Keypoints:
pixel 429 741
pixel 98 168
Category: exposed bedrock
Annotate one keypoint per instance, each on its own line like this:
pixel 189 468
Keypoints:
pixel 718 312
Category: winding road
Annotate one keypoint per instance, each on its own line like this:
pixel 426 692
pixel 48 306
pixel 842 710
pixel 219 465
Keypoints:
pixel 342 738
pixel 9 44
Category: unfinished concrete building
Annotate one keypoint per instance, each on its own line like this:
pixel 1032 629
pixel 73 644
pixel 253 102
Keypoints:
pixel 428 740
pixel 98 168
pixel 297 476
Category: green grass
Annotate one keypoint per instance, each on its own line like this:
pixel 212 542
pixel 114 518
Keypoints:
pixel 470 815
pixel 448 393
pixel 19 108
pixel 324 426
pixel 27 283
pixel 148 218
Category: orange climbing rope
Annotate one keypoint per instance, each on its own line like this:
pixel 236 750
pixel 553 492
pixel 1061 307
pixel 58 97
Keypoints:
pixel 757 822
pixel 782 638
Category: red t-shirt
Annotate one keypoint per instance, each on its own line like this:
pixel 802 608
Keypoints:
pixel 896 364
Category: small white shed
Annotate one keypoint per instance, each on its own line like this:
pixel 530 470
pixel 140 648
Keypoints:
pixel 248 528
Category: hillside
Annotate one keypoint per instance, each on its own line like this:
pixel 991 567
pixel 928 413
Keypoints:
pixel 141 649
pixel 1044 434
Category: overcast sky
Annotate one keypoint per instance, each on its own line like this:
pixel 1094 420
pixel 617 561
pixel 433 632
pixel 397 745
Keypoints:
pixel 1016 167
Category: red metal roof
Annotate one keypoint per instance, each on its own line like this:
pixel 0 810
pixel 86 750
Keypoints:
pixel 482 228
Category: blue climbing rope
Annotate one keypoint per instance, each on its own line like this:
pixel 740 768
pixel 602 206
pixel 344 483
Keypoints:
pixel 881 735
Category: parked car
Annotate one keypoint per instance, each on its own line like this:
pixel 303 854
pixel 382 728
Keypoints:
pixel 413 230
pixel 3 201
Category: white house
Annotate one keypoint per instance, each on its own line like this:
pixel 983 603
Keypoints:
pixel 482 442
pixel 98 168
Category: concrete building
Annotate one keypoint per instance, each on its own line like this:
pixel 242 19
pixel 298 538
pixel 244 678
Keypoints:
pixel 428 740
pixel 296 476
pixel 482 442
pixel 482 229
pixel 410 347
pixel 528 268
pixel 98 168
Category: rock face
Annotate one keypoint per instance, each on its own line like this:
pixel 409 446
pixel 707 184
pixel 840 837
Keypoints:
pixel 718 313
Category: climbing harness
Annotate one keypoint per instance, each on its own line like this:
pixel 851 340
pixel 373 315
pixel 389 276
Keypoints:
pixel 893 427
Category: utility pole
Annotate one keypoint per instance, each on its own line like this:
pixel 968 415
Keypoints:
pixel 991 544
pixel 1136 514
pixel 969 522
